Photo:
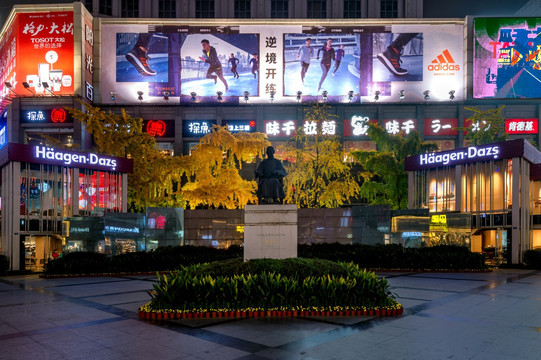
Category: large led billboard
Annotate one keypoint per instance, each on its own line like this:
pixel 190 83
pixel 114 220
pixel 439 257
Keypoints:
pixel 507 60
pixel 251 64
pixel 38 50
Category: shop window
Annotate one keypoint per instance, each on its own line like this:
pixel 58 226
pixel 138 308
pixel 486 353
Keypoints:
pixel 442 190
pixel 99 192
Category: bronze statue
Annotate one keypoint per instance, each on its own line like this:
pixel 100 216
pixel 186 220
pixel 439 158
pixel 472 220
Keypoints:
pixel 270 174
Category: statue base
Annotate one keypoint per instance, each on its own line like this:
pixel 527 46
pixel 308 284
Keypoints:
pixel 270 231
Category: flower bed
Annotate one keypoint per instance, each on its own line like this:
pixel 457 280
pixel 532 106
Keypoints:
pixel 250 289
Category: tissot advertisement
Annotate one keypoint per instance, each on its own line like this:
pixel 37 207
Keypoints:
pixel 506 62
pixel 262 64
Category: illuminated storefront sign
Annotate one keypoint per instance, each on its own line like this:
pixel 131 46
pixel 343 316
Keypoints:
pixel 234 126
pixel 122 230
pixel 521 126
pixel 51 116
pixel 280 128
pixel 197 128
pixel 438 223
pixel 327 127
pixel 396 126
pixel 60 157
pixel 68 158
pixel 501 150
pixel 471 153
pixel 357 125
pixel 159 128
pixel 441 127
pixel 506 61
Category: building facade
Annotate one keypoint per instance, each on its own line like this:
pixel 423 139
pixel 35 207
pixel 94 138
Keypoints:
pixel 182 74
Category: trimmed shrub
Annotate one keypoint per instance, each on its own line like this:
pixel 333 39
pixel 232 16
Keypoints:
pixel 4 264
pixel 161 259
pixel 444 257
pixel 191 289
pixel 532 259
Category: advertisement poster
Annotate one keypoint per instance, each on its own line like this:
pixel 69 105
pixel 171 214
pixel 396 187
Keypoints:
pixel 45 53
pixel 262 64
pixel 507 60
pixel 8 58
pixel 226 62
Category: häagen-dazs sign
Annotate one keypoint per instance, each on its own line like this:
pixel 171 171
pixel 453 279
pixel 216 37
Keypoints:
pixel 76 159
pixel 471 154
pixel 42 152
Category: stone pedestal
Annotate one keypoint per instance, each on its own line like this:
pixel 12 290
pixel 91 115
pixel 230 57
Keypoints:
pixel 270 231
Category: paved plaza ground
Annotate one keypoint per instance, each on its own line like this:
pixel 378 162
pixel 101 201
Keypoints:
pixel 478 316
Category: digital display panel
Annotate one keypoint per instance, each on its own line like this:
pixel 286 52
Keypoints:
pixel 506 61
pixel 261 64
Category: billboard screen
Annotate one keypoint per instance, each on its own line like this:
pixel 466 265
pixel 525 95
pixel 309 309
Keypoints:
pixel 45 52
pixel 251 64
pixel 506 61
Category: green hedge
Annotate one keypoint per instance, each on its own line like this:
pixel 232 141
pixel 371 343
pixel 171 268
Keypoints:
pixel 191 289
pixel 366 256
pixel 4 264
pixel 442 257
pixel 532 259
pixel 161 259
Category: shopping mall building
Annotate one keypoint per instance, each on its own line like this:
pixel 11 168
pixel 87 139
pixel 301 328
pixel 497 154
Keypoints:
pixel 183 75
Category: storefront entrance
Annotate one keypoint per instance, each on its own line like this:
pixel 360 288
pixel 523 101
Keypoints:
pixel 38 249
pixel 493 244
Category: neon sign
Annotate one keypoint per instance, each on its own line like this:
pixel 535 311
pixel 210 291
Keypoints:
pixel 328 127
pixel 58 115
pixel 67 158
pixel 197 128
pixel 235 126
pixel 53 116
pixel 470 153
pixel 521 126
pixel 156 127
pixel 394 127
pixel 441 126
pixel 280 128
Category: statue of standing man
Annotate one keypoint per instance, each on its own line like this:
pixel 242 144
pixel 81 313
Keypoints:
pixel 270 174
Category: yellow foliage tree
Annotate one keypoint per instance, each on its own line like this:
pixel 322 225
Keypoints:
pixel 213 169
pixel 155 176
pixel 318 175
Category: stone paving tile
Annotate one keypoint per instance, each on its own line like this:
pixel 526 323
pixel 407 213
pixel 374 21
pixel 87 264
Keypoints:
pixel 460 316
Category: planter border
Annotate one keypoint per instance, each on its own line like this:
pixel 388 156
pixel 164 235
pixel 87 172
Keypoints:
pixel 161 315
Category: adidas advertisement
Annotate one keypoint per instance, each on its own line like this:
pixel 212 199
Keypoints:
pixel 506 59
pixel 262 64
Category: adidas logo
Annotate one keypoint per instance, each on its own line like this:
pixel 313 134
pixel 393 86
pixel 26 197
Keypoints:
pixel 444 62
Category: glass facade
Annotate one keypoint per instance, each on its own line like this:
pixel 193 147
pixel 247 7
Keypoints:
pixel 483 191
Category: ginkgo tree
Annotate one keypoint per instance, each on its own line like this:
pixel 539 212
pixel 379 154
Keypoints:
pixel 154 181
pixel 385 180
pixel 487 126
pixel 212 169
pixel 317 175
